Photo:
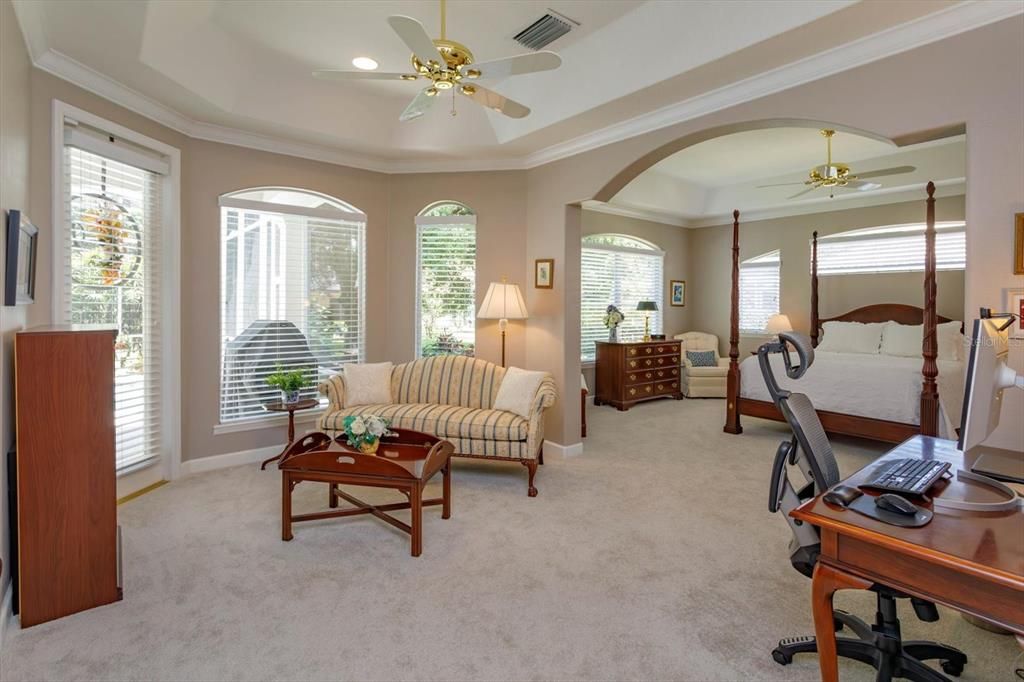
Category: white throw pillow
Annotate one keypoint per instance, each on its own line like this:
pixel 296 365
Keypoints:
pixel 904 340
pixel 367 384
pixel 517 391
pixel 851 337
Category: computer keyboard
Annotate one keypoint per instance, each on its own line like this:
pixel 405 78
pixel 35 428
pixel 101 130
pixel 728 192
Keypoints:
pixel 907 476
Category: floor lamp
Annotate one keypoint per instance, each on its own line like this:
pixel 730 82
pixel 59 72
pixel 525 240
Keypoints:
pixel 503 302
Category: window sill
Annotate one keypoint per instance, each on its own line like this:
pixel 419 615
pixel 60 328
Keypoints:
pixel 267 422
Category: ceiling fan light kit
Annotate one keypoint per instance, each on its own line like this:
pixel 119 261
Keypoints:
pixel 446 63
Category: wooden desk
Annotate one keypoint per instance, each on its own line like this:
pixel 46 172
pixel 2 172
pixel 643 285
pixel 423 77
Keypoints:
pixel 969 561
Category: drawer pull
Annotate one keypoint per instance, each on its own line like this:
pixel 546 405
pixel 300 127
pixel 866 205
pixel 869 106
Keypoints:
pixel 632 351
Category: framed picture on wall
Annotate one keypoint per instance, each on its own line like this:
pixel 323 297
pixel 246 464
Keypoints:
pixel 677 292
pixel 1018 244
pixel 544 273
pixel 1015 305
pixel 20 268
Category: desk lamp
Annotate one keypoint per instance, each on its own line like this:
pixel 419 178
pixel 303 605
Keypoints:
pixel 647 307
pixel 503 302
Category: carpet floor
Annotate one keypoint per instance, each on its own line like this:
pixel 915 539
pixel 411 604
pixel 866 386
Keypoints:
pixel 650 557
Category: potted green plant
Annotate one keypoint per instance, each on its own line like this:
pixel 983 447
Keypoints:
pixel 289 382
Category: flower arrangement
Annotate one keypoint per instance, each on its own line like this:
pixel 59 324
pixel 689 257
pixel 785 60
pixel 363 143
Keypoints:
pixel 613 317
pixel 290 383
pixel 365 431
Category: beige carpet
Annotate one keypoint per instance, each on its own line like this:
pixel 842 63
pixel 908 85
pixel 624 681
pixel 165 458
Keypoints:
pixel 652 556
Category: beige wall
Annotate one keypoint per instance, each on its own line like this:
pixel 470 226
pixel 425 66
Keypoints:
pixel 711 246
pixel 14 164
pixel 928 88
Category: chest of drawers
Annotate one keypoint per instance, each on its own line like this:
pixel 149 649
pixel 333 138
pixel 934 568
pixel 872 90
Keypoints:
pixel 628 373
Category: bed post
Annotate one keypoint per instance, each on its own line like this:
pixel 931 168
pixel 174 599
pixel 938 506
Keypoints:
pixel 929 341
pixel 732 407
pixel 814 290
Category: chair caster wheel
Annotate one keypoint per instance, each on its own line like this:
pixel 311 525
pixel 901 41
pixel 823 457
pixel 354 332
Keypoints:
pixel 953 668
pixel 781 657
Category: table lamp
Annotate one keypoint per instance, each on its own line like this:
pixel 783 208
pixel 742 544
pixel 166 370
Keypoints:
pixel 778 323
pixel 503 302
pixel 647 307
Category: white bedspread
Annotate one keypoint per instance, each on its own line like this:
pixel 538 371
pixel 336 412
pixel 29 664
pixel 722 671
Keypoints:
pixel 873 386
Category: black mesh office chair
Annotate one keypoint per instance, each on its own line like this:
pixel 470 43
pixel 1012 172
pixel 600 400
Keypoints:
pixel 809 452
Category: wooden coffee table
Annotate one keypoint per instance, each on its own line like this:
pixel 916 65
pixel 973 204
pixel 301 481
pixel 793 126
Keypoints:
pixel 405 462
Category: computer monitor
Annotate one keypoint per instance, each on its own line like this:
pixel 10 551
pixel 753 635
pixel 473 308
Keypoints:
pixel 987 377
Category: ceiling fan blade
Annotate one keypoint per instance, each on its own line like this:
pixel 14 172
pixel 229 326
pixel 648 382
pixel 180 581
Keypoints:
pixel 783 184
pixel 887 171
pixel 494 101
pixel 803 192
pixel 418 106
pixel 530 62
pixel 416 38
pixel 338 75
pixel 861 185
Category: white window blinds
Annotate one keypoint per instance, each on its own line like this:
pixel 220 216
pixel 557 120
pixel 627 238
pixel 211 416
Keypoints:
pixel 446 284
pixel 759 291
pixel 898 248
pixel 292 295
pixel 111 276
pixel 620 271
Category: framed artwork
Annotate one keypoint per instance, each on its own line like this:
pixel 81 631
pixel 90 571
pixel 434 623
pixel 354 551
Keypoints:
pixel 677 292
pixel 544 273
pixel 1018 245
pixel 1015 305
pixel 20 268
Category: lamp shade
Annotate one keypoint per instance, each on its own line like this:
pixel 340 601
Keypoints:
pixel 503 302
pixel 647 305
pixel 778 323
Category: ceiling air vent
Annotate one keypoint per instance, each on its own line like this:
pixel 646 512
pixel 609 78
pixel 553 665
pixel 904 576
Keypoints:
pixel 545 30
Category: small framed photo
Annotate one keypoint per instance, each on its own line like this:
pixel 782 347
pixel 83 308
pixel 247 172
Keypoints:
pixel 677 292
pixel 544 273
pixel 1015 305
pixel 20 279
pixel 1018 244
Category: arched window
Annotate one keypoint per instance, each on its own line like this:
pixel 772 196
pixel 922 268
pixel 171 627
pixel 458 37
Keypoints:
pixel 445 280
pixel 759 291
pixel 292 292
pixel 619 270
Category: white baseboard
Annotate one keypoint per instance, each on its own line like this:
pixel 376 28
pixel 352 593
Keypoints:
pixel 6 611
pixel 573 450
pixel 230 459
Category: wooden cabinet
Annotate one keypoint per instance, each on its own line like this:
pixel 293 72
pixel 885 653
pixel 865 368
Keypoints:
pixel 627 373
pixel 67 536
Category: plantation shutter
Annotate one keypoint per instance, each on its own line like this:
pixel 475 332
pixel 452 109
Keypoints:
pixel 111 274
pixel 446 277
pixel 620 277
pixel 292 298
pixel 759 291
pixel 899 249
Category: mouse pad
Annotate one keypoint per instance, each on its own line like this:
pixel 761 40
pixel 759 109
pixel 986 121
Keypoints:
pixel 865 504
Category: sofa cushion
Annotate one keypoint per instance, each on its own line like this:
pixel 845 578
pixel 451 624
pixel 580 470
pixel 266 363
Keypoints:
pixel 447 380
pixel 367 384
pixel 702 358
pixel 518 390
pixel 717 371
pixel 446 421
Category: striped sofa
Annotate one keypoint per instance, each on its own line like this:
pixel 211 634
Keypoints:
pixel 451 397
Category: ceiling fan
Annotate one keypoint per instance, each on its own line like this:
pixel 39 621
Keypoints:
pixel 448 65
pixel 834 175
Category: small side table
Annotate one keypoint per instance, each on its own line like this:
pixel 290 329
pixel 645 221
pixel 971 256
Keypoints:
pixel 291 409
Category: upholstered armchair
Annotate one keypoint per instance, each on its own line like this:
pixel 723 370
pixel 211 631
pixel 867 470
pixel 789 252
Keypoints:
pixel 702 382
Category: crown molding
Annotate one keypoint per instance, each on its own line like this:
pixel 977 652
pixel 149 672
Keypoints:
pixel 637 213
pixel 937 26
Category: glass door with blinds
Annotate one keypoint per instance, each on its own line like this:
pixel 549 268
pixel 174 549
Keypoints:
pixel 112 276
pixel 446 281
pixel 292 294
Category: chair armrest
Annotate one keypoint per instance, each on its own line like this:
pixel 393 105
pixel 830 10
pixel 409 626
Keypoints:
pixel 686 362
pixel 334 389
pixel 545 398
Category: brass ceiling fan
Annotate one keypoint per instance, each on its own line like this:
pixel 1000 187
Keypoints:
pixel 448 65
pixel 837 174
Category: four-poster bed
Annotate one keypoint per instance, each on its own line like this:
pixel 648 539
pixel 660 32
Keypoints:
pixel 859 387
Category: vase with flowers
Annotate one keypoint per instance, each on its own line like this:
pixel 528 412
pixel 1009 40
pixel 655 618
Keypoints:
pixel 364 431
pixel 613 317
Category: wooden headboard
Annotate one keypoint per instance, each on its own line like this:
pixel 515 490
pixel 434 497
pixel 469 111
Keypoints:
pixel 884 312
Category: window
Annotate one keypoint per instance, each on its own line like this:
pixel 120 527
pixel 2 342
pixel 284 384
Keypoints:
pixel 292 292
pixel 111 252
pixel 894 248
pixel 446 280
pixel 618 270
pixel 759 291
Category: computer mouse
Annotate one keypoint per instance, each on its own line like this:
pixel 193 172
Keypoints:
pixel 842 495
pixel 895 503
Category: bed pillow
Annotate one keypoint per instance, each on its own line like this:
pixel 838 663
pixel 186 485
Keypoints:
pixel 368 384
pixel 904 340
pixel 851 337
pixel 702 358
pixel 517 391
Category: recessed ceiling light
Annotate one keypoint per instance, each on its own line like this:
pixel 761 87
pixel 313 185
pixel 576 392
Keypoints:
pixel 364 63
